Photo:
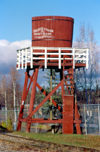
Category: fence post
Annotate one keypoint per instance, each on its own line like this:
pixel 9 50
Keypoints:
pixel 86 58
pixel 31 57
pixel 99 117
pixel 85 120
pixel 45 58
pixel 59 58
pixel 22 57
pixel 19 59
pixel 6 115
pixel 26 54
pixel 36 124
pixel 73 58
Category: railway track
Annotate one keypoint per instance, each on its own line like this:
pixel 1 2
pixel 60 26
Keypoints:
pixel 19 143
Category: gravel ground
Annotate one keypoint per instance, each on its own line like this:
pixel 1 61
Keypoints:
pixel 12 143
pixel 15 147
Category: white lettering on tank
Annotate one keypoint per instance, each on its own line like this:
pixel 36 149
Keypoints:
pixel 43 33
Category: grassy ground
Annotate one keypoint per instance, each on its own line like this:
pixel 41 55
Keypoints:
pixel 87 141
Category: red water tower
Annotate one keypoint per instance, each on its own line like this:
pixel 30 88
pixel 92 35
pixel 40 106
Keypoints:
pixel 52 49
pixel 52 31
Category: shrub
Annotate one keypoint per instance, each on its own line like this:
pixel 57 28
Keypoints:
pixel 8 126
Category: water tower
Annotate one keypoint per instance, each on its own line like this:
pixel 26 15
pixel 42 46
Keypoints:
pixel 52 49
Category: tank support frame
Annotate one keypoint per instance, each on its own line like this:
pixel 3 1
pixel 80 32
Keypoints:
pixel 65 59
pixel 67 121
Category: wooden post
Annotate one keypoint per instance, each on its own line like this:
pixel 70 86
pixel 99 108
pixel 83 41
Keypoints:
pixel 68 114
pixel 23 100
pixel 32 97
pixel 78 129
pixel 50 96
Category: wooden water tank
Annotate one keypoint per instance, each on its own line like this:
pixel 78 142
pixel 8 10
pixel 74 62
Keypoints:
pixel 52 31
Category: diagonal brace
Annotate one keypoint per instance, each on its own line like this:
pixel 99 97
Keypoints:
pixel 22 106
pixel 45 93
pixel 47 97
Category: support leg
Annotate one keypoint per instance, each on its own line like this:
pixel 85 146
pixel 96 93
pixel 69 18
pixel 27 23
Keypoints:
pixel 68 114
pixel 32 97
pixel 23 100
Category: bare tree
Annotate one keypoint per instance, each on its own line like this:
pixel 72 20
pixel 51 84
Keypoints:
pixel 81 75
pixel 93 61
pixel 14 78
pixel 88 79
pixel 3 89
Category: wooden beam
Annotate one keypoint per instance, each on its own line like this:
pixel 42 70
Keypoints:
pixel 50 96
pixel 32 97
pixel 40 120
pixel 45 93
pixel 23 100
pixel 54 64
pixel 47 97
